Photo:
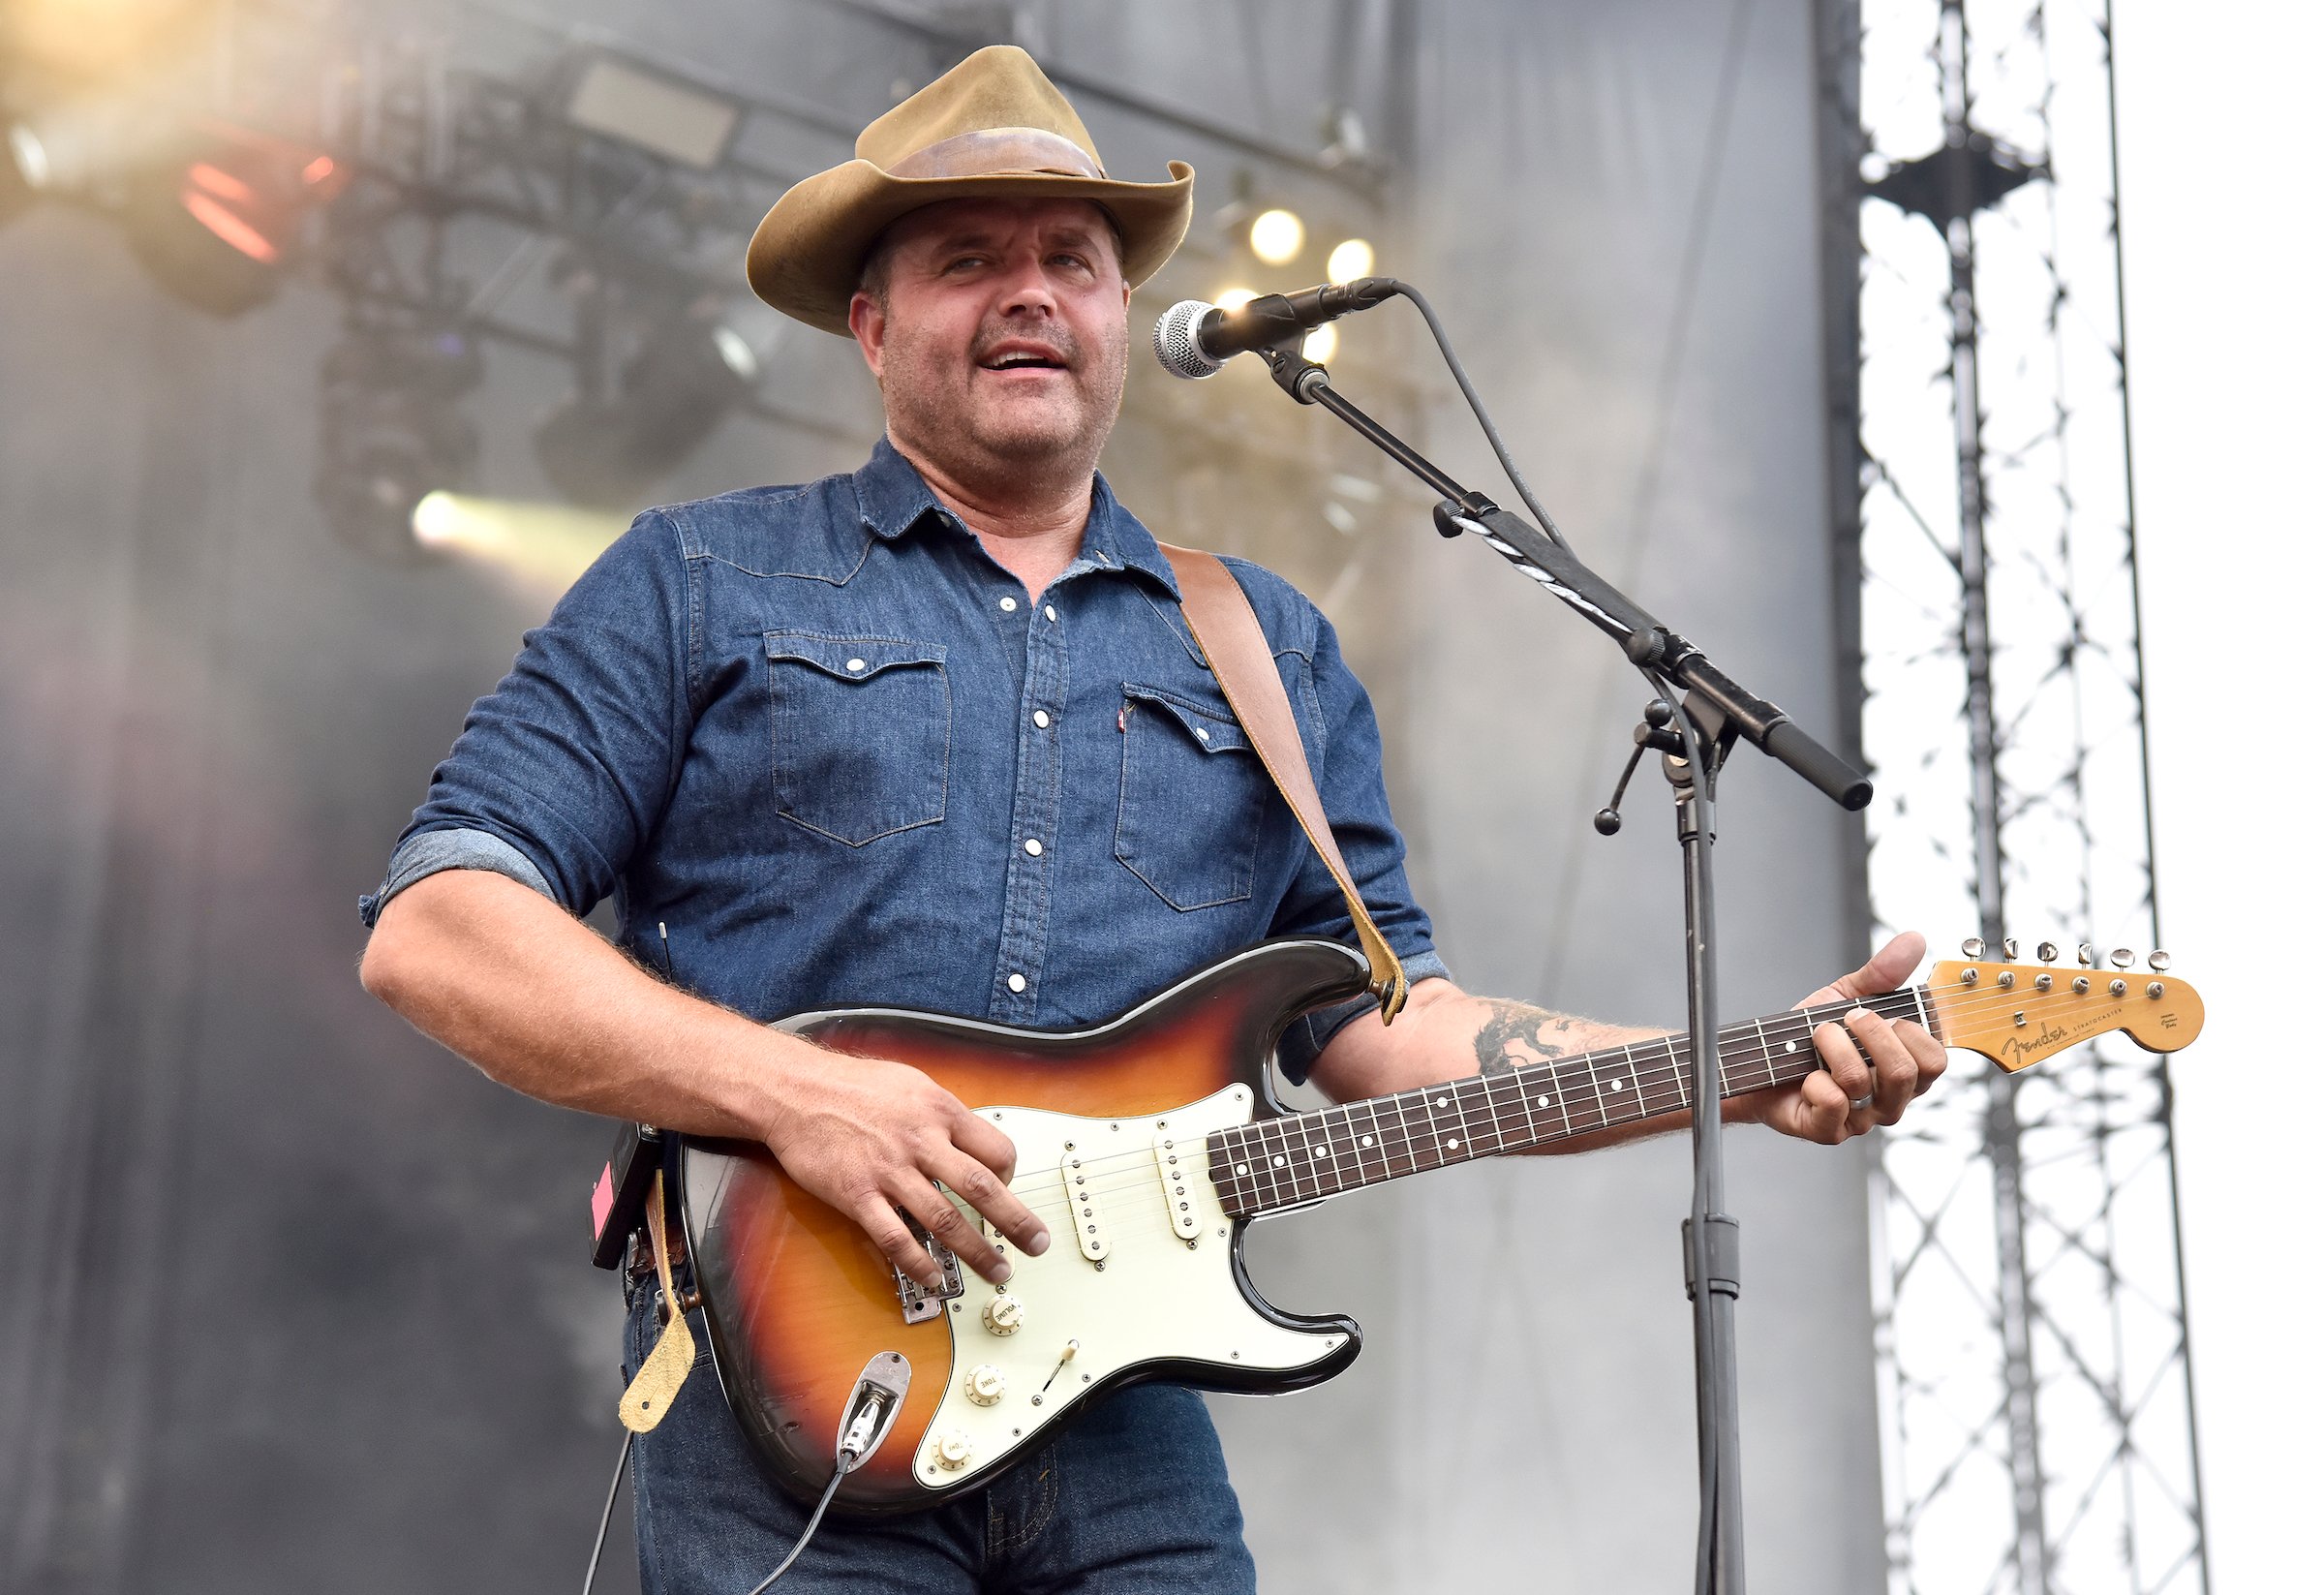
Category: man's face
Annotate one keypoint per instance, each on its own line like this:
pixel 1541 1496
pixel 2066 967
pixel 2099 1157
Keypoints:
pixel 1003 338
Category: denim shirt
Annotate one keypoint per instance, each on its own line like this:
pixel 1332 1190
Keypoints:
pixel 828 744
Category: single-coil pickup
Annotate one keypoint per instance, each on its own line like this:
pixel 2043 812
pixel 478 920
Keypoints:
pixel 1176 1166
pixel 1089 1213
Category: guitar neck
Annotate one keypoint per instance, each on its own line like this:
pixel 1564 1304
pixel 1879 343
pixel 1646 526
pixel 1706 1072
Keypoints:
pixel 1286 1162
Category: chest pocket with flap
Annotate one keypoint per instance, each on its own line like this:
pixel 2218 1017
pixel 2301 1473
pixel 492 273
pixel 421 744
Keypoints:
pixel 862 733
pixel 1192 795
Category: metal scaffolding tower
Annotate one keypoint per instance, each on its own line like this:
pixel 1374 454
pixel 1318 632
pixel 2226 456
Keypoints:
pixel 2038 1415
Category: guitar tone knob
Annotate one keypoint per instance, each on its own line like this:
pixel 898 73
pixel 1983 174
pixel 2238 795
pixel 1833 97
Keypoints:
pixel 985 1384
pixel 1004 1314
pixel 952 1450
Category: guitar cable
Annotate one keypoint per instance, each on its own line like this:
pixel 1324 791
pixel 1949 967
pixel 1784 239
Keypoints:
pixel 596 1552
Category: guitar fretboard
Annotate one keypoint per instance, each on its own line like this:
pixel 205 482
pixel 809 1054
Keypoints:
pixel 1278 1163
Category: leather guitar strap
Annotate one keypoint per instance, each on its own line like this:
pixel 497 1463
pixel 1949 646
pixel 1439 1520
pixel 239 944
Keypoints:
pixel 1226 631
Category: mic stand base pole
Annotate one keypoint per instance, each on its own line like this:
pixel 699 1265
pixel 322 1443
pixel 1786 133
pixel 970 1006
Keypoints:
pixel 1711 1236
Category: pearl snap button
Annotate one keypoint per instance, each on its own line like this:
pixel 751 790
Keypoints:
pixel 1203 733
pixel 1008 607
pixel 1016 983
pixel 855 664
pixel 1051 610
pixel 1041 718
pixel 1033 846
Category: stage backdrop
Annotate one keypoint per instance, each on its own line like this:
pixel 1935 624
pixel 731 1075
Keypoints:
pixel 300 1301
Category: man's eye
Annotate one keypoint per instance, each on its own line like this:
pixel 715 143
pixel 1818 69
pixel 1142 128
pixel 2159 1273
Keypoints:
pixel 963 262
pixel 1077 262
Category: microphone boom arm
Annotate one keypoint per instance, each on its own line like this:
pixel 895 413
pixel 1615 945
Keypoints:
pixel 1645 641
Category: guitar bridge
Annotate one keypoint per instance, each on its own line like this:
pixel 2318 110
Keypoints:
pixel 919 1303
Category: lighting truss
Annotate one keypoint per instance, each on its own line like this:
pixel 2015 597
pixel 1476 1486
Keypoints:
pixel 2038 1417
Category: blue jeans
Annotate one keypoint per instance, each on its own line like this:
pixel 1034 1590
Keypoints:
pixel 1132 1498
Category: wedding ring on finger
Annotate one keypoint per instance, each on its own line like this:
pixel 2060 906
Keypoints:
pixel 1864 1101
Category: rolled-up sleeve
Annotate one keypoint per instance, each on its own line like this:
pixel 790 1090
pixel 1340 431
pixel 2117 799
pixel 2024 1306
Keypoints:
pixel 564 769
pixel 1355 795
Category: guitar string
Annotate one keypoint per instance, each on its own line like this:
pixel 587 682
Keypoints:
pixel 1740 1035
pixel 1657 1098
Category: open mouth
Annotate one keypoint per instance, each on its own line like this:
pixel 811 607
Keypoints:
pixel 1023 360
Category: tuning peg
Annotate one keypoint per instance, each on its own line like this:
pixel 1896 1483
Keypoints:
pixel 2158 961
pixel 2123 958
pixel 2048 952
pixel 1973 947
pixel 2009 949
pixel 2087 956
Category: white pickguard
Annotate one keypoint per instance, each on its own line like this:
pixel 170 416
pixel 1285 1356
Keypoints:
pixel 1156 1297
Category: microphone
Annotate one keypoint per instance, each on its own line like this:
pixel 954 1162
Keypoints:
pixel 1194 339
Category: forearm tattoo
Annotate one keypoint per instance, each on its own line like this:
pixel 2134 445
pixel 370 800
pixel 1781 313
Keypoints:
pixel 1516 1032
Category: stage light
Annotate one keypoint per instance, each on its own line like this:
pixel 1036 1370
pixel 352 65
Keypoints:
pixel 1321 345
pixel 1235 299
pixel 216 229
pixel 671 397
pixel 543 547
pixel 93 38
pixel 674 120
pixel 1349 259
pixel 1278 237
pixel 391 433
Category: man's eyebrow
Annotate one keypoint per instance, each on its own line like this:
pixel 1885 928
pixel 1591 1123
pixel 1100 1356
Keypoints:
pixel 983 237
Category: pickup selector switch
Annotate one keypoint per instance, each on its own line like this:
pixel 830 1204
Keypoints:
pixel 985 1384
pixel 1004 1314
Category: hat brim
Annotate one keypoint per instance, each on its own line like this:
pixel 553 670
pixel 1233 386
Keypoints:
pixel 807 253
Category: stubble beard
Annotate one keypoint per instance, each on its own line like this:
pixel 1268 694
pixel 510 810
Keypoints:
pixel 996 444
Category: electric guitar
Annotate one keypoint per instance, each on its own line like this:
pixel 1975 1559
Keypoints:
pixel 1148 1143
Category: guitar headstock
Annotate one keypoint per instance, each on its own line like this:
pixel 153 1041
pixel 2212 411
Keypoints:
pixel 2019 1013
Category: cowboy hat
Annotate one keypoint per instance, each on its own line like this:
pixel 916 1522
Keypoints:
pixel 994 127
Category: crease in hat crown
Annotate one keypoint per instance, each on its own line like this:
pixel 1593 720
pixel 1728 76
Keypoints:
pixel 994 127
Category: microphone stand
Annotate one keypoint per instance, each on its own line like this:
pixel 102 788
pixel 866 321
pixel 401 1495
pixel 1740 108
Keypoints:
pixel 1714 712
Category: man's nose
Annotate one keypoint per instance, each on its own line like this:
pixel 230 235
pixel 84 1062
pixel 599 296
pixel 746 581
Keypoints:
pixel 1026 287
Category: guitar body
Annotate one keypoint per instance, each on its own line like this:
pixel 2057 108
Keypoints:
pixel 1143 1280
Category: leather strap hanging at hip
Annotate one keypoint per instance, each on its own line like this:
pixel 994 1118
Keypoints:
pixel 1226 631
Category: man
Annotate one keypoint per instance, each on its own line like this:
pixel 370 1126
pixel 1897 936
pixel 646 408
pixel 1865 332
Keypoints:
pixel 932 735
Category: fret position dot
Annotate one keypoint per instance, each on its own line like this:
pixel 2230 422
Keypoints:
pixel 1322 1152
pixel 1278 1161
pixel 1619 1083
pixel 1541 1102
pixel 1791 1046
pixel 1367 1139
pixel 1451 1141
pixel 1443 1100
pixel 1242 1168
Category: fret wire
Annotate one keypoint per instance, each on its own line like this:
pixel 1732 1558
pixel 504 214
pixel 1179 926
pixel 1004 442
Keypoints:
pixel 1753 1056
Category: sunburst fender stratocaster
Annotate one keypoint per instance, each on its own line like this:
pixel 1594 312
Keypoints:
pixel 1146 1144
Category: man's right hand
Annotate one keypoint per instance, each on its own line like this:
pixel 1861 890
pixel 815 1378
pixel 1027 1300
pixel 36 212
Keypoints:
pixel 869 1136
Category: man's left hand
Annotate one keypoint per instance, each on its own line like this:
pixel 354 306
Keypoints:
pixel 1845 1098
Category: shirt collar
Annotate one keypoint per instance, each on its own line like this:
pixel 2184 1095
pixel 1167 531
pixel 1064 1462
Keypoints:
pixel 892 497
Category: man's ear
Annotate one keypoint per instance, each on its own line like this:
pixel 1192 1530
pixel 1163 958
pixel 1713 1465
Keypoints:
pixel 870 324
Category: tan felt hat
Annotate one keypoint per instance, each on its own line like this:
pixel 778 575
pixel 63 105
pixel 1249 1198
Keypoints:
pixel 994 127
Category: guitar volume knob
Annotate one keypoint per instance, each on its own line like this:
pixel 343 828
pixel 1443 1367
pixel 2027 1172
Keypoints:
pixel 1004 1314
